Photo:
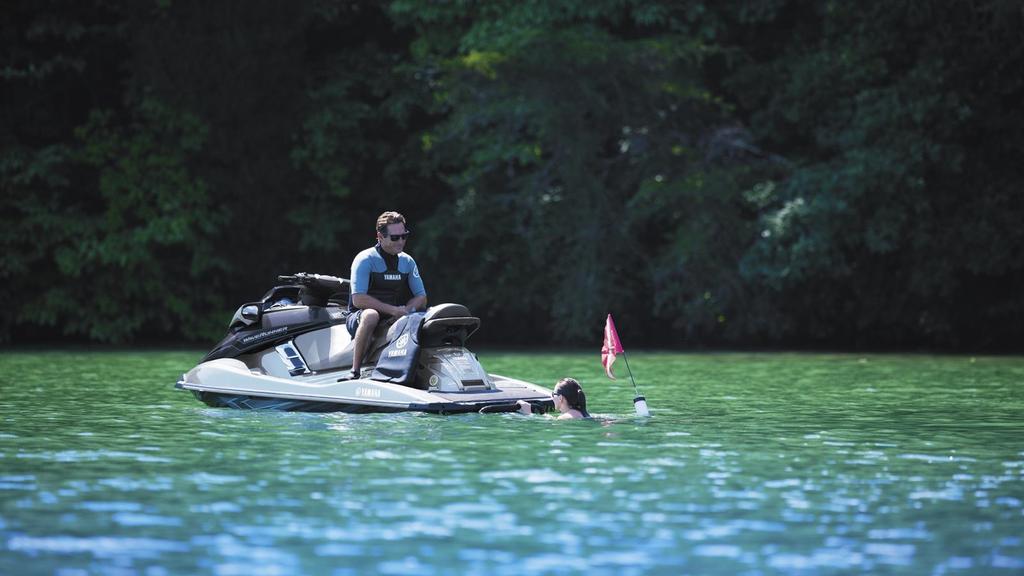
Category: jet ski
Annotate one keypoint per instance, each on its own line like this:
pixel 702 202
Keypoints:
pixel 292 351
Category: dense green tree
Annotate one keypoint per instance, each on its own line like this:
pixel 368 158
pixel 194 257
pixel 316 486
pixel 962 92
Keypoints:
pixel 896 227
pixel 51 76
pixel 567 130
pixel 223 155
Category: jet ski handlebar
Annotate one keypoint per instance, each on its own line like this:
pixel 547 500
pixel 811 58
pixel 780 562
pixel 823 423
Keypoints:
pixel 305 279
pixel 314 289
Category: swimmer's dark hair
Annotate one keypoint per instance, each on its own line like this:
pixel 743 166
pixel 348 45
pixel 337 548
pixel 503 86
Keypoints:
pixel 571 390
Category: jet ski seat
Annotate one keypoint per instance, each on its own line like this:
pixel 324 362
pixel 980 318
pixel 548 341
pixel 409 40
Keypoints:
pixel 447 325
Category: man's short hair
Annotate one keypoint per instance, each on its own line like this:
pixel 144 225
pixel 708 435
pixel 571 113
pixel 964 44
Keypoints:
pixel 389 218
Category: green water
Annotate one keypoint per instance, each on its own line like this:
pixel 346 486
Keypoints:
pixel 751 464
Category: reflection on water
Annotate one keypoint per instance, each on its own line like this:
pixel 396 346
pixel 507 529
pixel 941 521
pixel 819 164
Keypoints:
pixel 755 464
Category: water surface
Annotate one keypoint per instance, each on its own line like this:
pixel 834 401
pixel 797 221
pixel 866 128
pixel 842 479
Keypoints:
pixel 751 464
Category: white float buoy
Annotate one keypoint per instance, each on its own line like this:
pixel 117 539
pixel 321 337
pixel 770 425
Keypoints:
pixel 640 404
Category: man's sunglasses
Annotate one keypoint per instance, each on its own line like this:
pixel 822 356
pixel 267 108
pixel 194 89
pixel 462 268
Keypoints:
pixel 397 237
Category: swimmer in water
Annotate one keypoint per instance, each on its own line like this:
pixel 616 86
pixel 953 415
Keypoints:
pixel 569 400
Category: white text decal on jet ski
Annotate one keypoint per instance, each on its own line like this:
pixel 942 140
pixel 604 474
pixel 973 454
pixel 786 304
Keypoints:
pixel 263 335
pixel 368 392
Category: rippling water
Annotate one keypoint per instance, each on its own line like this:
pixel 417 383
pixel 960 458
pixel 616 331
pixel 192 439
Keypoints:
pixel 751 464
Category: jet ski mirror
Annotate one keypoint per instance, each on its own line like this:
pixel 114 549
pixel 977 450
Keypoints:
pixel 246 315
pixel 251 313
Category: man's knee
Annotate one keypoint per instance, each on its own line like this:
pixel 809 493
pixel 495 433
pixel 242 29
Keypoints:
pixel 369 318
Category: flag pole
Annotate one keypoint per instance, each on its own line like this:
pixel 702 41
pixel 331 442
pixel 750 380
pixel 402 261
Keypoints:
pixel 639 401
pixel 626 358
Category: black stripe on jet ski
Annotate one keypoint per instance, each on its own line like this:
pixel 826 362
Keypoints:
pixel 243 402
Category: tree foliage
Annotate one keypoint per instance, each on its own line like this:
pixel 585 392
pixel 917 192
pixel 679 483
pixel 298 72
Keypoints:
pixel 732 173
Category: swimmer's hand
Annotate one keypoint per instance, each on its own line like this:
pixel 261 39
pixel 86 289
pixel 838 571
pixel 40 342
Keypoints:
pixel 525 407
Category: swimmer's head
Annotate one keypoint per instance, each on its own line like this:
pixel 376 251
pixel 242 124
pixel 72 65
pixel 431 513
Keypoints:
pixel 572 392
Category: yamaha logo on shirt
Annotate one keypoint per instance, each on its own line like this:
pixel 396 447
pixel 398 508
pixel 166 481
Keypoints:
pixel 392 276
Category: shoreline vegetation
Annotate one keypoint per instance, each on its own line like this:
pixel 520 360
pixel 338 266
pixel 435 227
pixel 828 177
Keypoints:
pixel 777 175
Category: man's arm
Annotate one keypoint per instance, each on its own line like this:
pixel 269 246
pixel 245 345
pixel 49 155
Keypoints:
pixel 419 299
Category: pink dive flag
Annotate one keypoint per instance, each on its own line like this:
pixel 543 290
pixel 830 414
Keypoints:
pixel 611 346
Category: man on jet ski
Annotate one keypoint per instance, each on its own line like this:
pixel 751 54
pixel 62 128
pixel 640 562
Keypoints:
pixel 385 281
